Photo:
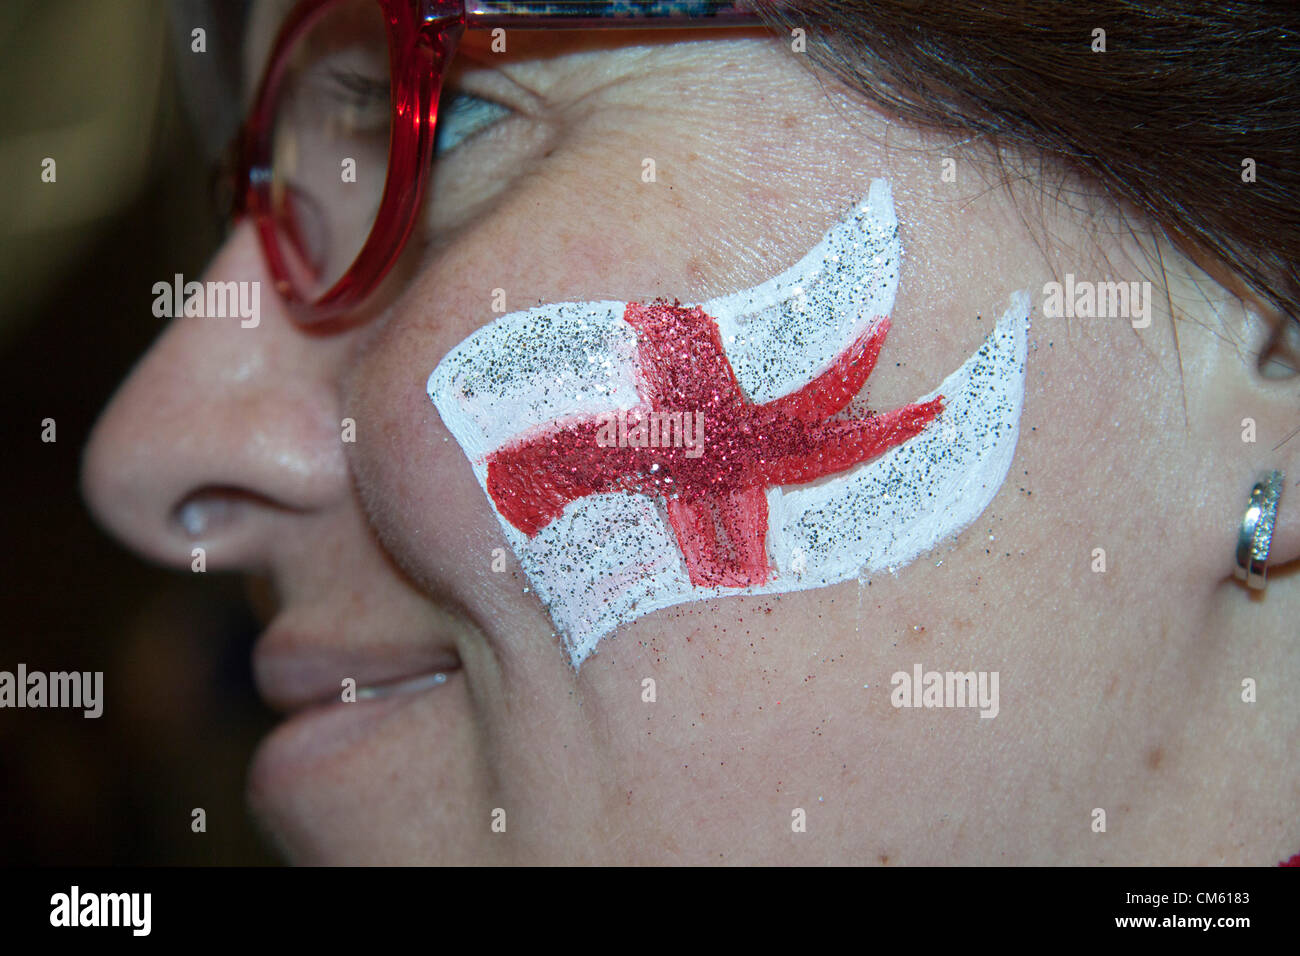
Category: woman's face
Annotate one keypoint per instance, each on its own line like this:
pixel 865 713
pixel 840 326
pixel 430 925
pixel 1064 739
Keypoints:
pixel 378 553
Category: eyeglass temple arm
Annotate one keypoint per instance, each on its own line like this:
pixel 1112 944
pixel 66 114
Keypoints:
pixel 588 14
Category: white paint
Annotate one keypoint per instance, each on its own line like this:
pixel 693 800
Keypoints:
pixel 612 558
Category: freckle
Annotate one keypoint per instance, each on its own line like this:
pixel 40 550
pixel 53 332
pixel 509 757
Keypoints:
pixel 696 269
pixel 1154 756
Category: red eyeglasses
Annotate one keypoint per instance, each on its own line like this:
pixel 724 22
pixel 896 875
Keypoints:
pixel 336 151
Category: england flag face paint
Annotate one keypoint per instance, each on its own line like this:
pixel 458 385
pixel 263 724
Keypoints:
pixel 640 455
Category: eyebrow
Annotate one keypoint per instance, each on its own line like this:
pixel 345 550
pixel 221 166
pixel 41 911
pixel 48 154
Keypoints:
pixel 482 14
pixel 485 14
pixel 266 16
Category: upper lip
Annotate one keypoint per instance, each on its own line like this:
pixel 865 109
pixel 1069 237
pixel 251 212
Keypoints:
pixel 295 670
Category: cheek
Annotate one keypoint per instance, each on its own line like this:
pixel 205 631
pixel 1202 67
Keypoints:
pixel 413 480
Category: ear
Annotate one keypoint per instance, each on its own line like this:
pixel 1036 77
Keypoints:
pixel 1266 387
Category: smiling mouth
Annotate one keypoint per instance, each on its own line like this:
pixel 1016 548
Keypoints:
pixel 337 691
pixel 377 691
pixel 373 692
pixel 411 685
pixel 297 671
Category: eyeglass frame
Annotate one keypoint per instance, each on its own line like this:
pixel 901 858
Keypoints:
pixel 422 39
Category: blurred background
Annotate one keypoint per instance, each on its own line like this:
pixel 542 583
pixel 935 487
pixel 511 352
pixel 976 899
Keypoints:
pixel 134 118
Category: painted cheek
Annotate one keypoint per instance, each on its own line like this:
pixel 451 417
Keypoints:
pixel 783 493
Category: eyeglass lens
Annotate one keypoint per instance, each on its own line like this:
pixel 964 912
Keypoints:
pixel 329 143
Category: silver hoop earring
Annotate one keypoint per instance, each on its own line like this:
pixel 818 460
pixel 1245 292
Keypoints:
pixel 1256 534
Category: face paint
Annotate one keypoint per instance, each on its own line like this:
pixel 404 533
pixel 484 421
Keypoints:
pixel 575 418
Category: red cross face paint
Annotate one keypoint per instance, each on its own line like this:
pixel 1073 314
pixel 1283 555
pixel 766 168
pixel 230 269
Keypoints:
pixel 639 455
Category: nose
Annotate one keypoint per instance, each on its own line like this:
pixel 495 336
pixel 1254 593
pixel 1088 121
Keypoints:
pixel 223 431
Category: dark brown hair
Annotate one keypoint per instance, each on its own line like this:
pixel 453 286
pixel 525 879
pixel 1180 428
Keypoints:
pixel 1163 119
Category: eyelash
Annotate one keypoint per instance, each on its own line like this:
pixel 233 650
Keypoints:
pixel 461 115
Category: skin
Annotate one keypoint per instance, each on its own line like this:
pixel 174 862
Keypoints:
pixel 1119 690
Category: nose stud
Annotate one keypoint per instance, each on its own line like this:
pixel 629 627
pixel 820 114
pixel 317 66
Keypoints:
pixel 204 512
pixel 193 518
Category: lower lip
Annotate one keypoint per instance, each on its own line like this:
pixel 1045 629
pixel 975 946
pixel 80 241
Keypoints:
pixel 324 732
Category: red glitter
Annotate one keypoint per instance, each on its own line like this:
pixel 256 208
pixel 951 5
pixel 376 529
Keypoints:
pixel 715 500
